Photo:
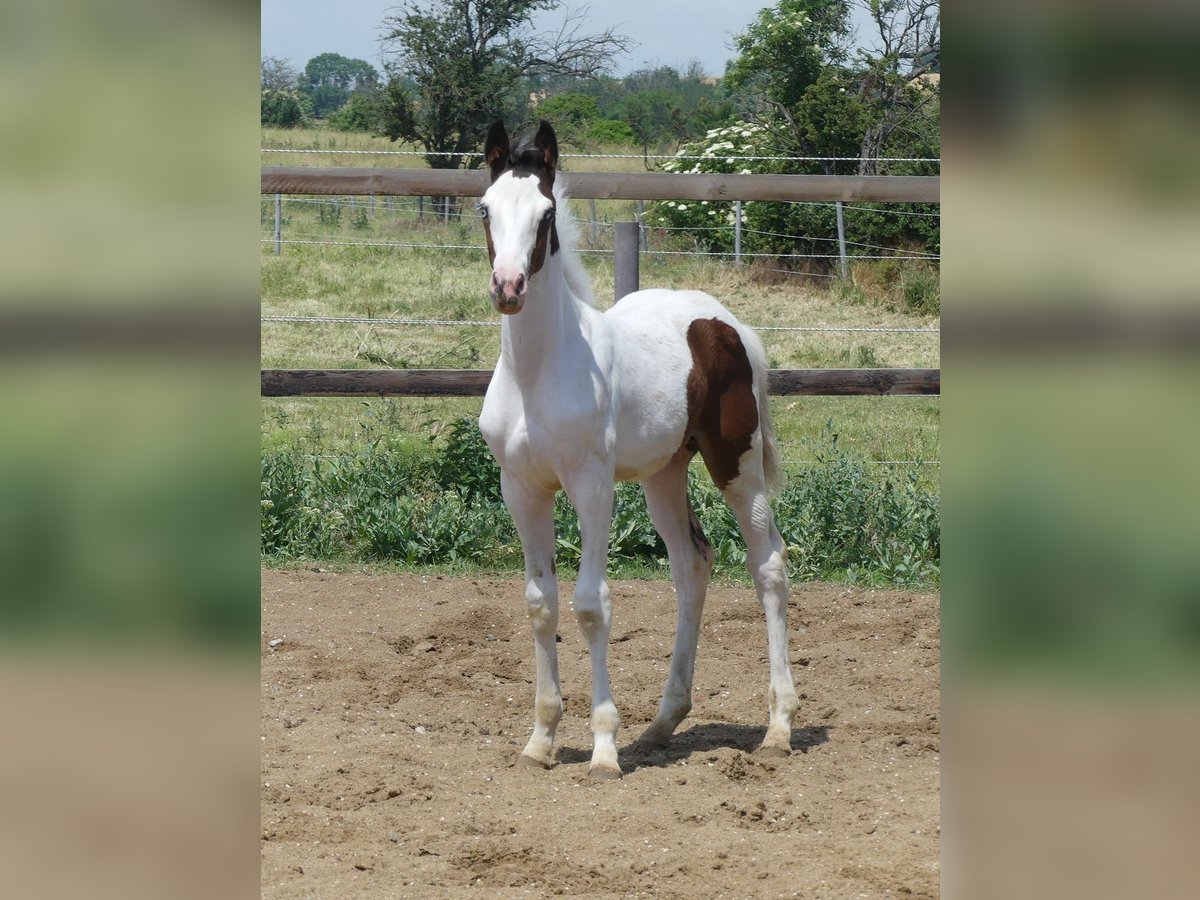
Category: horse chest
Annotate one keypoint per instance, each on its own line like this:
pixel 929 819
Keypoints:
pixel 538 437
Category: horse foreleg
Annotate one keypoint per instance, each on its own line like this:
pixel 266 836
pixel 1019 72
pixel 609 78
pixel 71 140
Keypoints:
pixel 691 563
pixel 532 510
pixel 592 496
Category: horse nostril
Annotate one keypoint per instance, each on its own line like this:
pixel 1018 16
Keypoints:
pixel 521 283
pixel 495 283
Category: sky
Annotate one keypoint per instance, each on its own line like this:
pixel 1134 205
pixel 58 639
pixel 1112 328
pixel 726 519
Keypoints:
pixel 668 32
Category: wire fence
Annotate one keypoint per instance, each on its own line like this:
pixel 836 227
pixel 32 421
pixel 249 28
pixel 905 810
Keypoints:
pixel 650 250
pixel 334 151
pixel 490 323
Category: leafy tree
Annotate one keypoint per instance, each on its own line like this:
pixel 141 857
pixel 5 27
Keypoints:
pixel 569 110
pixel 278 74
pixel 283 109
pixel 573 116
pixel 803 95
pixel 458 64
pixel 360 113
pixel 906 45
pixel 610 131
pixel 330 78
pixel 655 117
pixel 785 49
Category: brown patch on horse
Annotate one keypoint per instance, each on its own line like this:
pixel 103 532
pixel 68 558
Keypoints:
pixel 722 412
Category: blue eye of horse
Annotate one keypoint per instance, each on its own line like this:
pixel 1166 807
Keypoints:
pixel 483 212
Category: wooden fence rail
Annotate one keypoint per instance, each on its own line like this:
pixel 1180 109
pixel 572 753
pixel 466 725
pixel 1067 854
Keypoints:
pixel 595 186
pixel 609 185
pixel 474 382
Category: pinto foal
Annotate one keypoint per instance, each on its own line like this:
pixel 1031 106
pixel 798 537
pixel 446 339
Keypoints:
pixel 581 399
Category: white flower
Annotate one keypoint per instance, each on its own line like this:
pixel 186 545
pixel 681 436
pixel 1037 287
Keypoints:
pixel 729 160
pixel 744 172
pixel 670 204
pixel 682 207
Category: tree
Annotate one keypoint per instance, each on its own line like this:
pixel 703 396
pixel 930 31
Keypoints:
pixel 785 49
pixel 360 113
pixel 907 44
pixel 282 109
pixel 278 74
pixel 654 117
pixel 457 65
pixel 330 78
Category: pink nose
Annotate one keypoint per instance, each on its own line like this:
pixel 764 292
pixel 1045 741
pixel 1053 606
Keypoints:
pixel 511 288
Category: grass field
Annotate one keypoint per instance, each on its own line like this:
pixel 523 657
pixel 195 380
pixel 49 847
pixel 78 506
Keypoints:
pixel 342 277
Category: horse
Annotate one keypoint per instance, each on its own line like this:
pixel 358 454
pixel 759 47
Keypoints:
pixel 581 399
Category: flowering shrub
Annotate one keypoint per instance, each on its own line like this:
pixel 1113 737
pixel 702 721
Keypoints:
pixel 809 229
pixel 709 224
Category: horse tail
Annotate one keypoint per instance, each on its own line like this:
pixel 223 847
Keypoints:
pixel 578 282
pixel 772 472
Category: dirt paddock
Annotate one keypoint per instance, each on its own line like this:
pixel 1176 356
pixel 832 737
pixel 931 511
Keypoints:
pixel 394 708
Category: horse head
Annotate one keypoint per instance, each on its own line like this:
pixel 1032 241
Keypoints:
pixel 518 211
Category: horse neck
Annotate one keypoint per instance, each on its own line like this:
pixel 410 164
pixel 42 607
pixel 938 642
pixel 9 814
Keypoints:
pixel 548 333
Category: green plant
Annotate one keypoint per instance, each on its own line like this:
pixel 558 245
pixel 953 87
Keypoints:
pixel 329 212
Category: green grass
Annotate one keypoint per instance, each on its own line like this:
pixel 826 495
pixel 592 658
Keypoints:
pixel 389 500
pixel 395 282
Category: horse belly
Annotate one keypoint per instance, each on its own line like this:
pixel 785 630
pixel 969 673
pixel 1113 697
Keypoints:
pixel 651 419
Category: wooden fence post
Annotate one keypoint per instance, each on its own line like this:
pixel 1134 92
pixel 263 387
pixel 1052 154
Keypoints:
pixel 841 225
pixel 625 259
pixel 737 232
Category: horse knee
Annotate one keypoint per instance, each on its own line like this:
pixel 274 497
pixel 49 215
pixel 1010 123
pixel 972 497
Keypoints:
pixel 548 710
pixel 770 576
pixel 542 609
pixel 593 622
pixel 593 611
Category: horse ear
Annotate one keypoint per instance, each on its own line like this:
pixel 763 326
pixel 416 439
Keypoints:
pixel 546 141
pixel 495 149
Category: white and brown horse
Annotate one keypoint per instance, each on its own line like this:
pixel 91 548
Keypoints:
pixel 581 399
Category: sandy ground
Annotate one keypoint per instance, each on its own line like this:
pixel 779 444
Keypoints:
pixel 394 708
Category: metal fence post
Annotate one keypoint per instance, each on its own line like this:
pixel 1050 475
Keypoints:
pixel 592 207
pixel 737 232
pixel 278 227
pixel 625 258
pixel 841 240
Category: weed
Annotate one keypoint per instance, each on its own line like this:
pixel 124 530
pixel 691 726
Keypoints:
pixel 383 501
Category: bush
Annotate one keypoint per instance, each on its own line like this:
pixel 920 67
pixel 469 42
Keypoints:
pixel 841 519
pixel 359 113
pixel 789 228
pixel 283 109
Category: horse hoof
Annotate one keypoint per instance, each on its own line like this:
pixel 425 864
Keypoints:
pixel 651 742
pixel 528 762
pixel 603 773
pixel 773 752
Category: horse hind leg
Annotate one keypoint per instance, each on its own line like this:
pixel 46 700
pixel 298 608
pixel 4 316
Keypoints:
pixel 691 563
pixel 766 561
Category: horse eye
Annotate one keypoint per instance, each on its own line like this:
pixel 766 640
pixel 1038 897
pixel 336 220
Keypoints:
pixel 483 211
pixel 549 215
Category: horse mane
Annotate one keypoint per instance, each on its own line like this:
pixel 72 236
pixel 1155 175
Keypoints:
pixel 578 282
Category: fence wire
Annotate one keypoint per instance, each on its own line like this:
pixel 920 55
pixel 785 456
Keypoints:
pixel 494 323
pixel 646 156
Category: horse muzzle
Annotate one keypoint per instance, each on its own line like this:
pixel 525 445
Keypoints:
pixel 508 294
